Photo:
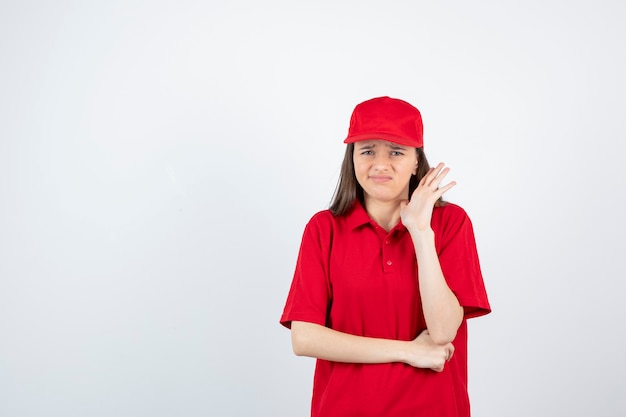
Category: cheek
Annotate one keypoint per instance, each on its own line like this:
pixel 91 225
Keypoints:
pixel 359 169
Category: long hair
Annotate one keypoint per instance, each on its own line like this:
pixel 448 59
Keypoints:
pixel 348 188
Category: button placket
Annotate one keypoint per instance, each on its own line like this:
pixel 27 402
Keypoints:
pixel 388 255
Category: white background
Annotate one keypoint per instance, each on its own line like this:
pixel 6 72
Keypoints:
pixel 159 160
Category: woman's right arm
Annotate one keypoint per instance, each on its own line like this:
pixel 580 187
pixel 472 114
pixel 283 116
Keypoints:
pixel 314 340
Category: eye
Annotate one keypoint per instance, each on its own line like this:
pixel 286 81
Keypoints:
pixel 367 152
pixel 397 153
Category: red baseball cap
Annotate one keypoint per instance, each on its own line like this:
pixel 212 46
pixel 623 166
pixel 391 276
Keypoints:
pixel 386 118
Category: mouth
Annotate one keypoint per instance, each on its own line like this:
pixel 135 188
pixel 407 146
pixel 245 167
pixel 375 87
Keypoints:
pixel 380 178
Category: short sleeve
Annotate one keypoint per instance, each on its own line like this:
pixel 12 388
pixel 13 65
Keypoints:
pixel 310 293
pixel 458 257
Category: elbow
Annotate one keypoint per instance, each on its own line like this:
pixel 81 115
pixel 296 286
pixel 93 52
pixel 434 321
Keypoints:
pixel 442 337
pixel 299 351
pixel 299 340
pixel 443 332
pixel 442 340
pixel 297 346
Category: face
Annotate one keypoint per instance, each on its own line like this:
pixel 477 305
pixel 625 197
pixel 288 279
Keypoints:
pixel 384 169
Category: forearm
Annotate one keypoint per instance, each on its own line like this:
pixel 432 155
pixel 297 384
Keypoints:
pixel 314 340
pixel 442 311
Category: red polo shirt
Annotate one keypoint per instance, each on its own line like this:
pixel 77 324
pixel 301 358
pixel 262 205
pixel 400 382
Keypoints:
pixel 353 276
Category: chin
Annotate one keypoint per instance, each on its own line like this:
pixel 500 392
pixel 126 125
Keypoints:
pixel 386 198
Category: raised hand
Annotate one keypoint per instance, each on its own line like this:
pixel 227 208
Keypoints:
pixel 417 213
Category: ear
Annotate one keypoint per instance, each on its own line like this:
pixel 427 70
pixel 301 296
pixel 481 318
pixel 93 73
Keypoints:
pixel 415 169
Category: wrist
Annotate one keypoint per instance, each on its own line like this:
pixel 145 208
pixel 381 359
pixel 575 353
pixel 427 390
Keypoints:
pixel 423 235
pixel 404 352
pixel 424 242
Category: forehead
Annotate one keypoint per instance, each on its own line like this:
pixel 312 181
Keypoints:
pixel 373 143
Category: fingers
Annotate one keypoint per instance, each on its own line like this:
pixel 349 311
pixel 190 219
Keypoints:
pixel 448 352
pixel 435 176
pixel 431 174
pixel 431 355
pixel 437 368
pixel 446 187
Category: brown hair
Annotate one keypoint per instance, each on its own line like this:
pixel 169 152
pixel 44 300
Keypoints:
pixel 348 188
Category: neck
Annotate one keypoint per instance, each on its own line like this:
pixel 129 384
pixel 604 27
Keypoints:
pixel 385 214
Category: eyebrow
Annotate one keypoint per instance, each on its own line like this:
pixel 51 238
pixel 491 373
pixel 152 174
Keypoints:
pixel 397 147
pixel 366 146
pixel 390 145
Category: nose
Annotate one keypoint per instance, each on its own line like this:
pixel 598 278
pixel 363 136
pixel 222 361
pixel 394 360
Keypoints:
pixel 381 162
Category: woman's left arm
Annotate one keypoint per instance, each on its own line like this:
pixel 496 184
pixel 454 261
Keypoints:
pixel 442 311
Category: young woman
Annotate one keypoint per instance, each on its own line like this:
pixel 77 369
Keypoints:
pixel 386 278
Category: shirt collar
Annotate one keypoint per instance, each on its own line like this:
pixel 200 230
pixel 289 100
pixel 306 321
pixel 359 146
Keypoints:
pixel 357 216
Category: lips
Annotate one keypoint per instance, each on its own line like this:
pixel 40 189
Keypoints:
pixel 380 178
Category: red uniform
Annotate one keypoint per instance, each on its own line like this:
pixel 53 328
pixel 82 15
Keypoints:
pixel 354 277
